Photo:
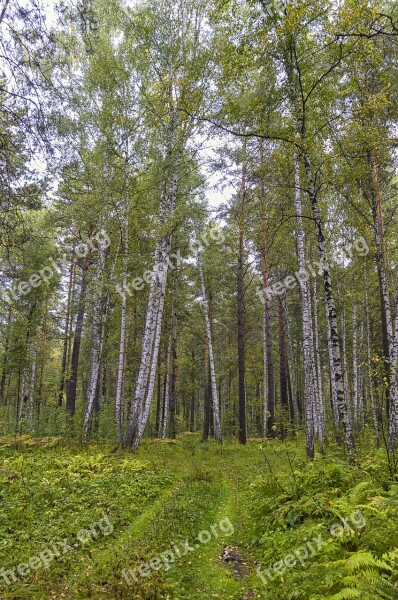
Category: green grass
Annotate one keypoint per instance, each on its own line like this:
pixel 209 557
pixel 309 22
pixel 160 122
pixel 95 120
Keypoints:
pixel 170 492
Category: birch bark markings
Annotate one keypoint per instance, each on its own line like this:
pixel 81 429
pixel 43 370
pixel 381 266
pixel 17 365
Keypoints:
pixel 97 340
pixel 214 393
pixel 332 313
pixel 309 390
pixel 122 343
pixel 153 326
pixel 240 303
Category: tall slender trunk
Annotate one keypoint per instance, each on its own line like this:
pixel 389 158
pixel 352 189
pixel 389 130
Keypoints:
pixel 97 340
pixel 321 399
pixel 32 382
pixel 270 420
pixel 3 397
pixel 333 391
pixel 388 329
pixel 299 109
pixel 192 407
pixel 165 411
pixel 309 391
pixel 66 333
pixel 122 343
pixel 159 397
pixel 283 364
pixel 355 363
pixel 332 313
pixel 153 325
pixel 265 387
pixel 369 363
pixel 345 363
pixel 173 375
pixel 72 381
pixel 207 399
pixel 292 370
pixel 240 304
pixel 214 394
pixel 23 400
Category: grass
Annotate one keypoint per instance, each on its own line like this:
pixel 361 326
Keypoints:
pixel 133 508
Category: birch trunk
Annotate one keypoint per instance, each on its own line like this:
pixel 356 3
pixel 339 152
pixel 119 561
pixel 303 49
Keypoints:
pixel 299 109
pixel 66 335
pixel 97 341
pixel 216 411
pixel 32 382
pixel 3 396
pixel 154 360
pixel 166 391
pixel 265 391
pixel 345 364
pixel 72 381
pixel 389 330
pixel 332 314
pixel 240 304
pixel 143 395
pixel 355 364
pixel 321 398
pixel 122 343
pixel 309 391
pixel 292 367
pixel 333 391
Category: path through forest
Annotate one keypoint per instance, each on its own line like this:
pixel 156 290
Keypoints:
pixel 209 494
pixel 189 495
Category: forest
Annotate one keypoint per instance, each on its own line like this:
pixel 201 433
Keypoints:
pixel 199 299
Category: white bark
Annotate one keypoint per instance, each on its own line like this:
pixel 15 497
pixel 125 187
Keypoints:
pixel 144 417
pixel 265 390
pixel 97 341
pixel 309 391
pixel 320 398
pixel 166 392
pixel 216 409
pixel 291 361
pixel 151 340
pixel 355 363
pixel 32 383
pixel 335 410
pixel 122 344
pixel 345 366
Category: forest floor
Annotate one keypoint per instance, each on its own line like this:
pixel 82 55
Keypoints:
pixel 77 516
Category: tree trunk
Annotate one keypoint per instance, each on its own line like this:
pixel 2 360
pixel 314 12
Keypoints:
pixel 153 326
pixel 97 340
pixel 309 391
pixel 332 314
pixel 216 411
pixel 3 397
pixel 295 411
pixel 173 378
pixel 166 390
pixel 66 334
pixel 122 343
pixel 72 381
pixel 321 400
pixel 270 420
pixel 192 408
pixel 240 305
